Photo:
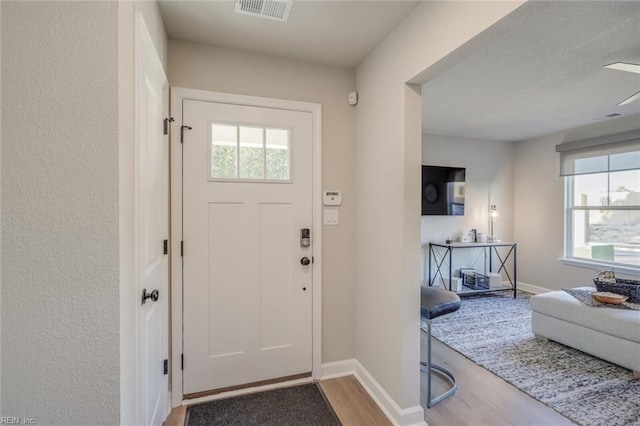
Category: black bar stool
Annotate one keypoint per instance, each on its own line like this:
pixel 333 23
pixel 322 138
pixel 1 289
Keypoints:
pixel 435 303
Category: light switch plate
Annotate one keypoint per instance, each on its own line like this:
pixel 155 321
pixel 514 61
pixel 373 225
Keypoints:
pixel 331 217
pixel 353 98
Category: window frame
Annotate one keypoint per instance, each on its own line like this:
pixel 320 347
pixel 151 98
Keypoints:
pixel 569 209
pixel 576 150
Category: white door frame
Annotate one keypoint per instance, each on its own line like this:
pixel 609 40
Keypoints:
pixel 179 94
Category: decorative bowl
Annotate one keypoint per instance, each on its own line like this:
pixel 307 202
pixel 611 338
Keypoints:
pixel 610 298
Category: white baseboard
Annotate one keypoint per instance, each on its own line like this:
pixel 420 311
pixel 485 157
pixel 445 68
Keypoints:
pixel 331 370
pixel 532 288
pixel 413 416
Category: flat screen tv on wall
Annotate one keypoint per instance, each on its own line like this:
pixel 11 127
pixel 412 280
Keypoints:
pixel 443 191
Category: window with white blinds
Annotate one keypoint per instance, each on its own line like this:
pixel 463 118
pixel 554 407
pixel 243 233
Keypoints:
pixel 602 199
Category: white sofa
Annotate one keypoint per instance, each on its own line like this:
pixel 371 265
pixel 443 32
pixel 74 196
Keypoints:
pixel 610 334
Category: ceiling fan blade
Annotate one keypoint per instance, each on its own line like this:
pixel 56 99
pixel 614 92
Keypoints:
pixel 624 66
pixel 630 99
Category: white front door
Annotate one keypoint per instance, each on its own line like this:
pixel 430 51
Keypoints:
pixel 247 199
pixel 152 228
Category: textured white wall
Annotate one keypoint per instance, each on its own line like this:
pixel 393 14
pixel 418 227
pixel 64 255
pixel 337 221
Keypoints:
pixel 539 207
pixel 204 67
pixel 388 140
pixel 60 324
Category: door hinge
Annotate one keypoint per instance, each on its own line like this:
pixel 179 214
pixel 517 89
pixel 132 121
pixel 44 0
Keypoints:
pixel 181 361
pixel 182 248
pixel 166 124
pixel 165 246
pixel 165 367
pixel 182 132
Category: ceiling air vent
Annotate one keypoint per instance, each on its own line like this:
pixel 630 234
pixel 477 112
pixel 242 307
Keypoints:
pixel 269 9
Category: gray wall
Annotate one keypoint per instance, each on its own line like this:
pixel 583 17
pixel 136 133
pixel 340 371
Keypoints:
pixel 539 207
pixel 489 174
pixel 489 180
pixel 198 66
pixel 60 323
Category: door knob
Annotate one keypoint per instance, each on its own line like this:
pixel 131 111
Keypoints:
pixel 154 295
pixel 305 261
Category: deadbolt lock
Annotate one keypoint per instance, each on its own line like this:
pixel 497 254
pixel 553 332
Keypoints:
pixel 305 237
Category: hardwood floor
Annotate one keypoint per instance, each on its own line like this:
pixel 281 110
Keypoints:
pixel 177 417
pixel 352 403
pixel 482 399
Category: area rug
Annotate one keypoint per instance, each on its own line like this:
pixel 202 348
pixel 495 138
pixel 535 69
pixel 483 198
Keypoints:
pixel 494 331
pixel 303 405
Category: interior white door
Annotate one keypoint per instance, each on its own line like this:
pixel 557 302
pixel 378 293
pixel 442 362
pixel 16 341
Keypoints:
pixel 247 194
pixel 152 228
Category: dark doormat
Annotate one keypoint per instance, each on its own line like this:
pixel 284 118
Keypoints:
pixel 293 406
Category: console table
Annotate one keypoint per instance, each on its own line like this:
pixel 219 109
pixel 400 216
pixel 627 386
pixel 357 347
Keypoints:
pixel 445 251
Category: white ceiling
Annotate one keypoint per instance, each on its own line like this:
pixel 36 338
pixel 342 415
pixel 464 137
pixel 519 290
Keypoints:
pixel 338 33
pixel 538 71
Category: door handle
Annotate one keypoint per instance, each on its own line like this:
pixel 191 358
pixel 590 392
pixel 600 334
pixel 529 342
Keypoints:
pixel 154 295
pixel 305 261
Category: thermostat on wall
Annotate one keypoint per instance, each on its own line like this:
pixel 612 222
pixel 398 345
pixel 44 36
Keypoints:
pixel 332 198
